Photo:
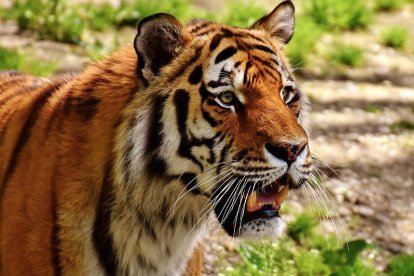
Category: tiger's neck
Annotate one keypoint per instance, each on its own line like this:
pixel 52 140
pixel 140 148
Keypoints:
pixel 152 233
pixel 153 221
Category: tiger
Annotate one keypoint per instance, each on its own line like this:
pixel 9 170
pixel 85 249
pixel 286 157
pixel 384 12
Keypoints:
pixel 119 169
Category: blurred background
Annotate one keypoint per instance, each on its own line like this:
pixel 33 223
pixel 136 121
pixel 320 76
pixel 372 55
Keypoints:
pixel 355 61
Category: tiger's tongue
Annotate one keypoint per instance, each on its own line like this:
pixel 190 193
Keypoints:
pixel 272 195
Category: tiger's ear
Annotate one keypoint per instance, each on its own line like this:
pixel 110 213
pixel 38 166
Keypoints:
pixel 280 23
pixel 160 39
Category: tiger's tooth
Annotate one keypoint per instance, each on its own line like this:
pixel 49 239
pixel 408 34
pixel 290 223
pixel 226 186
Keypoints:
pixel 282 195
pixel 251 200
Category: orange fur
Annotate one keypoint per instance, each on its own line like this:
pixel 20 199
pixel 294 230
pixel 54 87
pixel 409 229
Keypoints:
pixel 41 163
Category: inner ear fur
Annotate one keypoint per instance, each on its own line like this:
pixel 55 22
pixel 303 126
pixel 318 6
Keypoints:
pixel 159 40
pixel 280 23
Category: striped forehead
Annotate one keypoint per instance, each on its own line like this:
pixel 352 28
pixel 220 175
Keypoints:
pixel 233 53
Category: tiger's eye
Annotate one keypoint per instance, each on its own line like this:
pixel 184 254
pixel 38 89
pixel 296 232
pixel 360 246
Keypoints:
pixel 285 93
pixel 227 97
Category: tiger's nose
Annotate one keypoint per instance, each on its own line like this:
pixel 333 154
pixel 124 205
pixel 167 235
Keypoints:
pixel 286 151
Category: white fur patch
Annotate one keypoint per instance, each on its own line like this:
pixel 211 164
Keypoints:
pixel 263 228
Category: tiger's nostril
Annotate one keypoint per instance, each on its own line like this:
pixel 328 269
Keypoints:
pixel 286 151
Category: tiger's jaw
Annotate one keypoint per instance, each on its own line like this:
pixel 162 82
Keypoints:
pixel 253 212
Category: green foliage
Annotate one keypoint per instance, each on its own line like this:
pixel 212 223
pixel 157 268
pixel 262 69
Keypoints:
pixel 388 5
pixel 11 59
pixel 402 265
pixel 346 55
pixel 241 14
pixel 310 262
pixel 309 254
pixel 48 19
pixel 302 226
pixel 59 20
pixel 307 34
pixel 372 108
pixel 394 37
pixel 344 261
pixel 340 15
pixel 402 125
pixel 179 8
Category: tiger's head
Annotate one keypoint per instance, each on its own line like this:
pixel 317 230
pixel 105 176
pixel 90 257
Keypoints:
pixel 229 116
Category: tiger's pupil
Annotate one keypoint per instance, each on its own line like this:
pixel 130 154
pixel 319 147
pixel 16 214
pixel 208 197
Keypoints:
pixel 227 97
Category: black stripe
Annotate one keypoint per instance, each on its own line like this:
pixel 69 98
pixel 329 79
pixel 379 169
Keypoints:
pixel 196 75
pixel 101 234
pixel 263 48
pixel 227 32
pixel 85 107
pixel 156 127
pixel 223 155
pixel 208 118
pixel 215 84
pixel 248 65
pixel 249 35
pixel 191 183
pixel 21 142
pixel 155 164
pixel 204 93
pixel 225 54
pixel 215 41
pixel 181 101
pixel 264 62
pixel 26 133
pixel 198 28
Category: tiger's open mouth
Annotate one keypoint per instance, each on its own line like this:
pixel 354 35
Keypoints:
pixel 235 208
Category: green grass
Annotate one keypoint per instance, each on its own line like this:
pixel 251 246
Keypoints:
pixel 388 5
pixel 310 254
pixel 372 108
pixel 59 20
pixel 11 59
pixel 302 226
pixel 306 252
pixel 340 15
pixel 402 265
pixel 307 33
pixel 402 125
pixel 395 37
pixel 48 19
pixel 240 13
pixel 347 55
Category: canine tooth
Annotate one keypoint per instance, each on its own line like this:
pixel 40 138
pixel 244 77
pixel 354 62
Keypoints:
pixel 251 200
pixel 282 195
pixel 281 187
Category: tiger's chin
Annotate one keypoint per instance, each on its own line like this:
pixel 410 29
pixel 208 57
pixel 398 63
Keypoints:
pixel 254 214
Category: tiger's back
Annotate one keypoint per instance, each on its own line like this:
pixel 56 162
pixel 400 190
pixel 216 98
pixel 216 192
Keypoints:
pixel 51 139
